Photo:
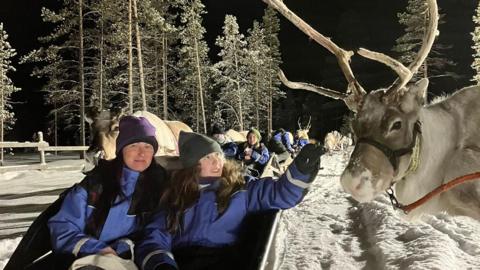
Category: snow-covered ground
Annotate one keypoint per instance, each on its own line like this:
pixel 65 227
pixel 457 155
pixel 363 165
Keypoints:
pixel 327 231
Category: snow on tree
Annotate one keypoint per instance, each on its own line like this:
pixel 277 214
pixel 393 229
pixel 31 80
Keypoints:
pixel 271 26
pixel 160 39
pixel 232 76
pixel 476 46
pixel 415 19
pixel 7 118
pixel 258 65
pixel 58 62
pixel 193 67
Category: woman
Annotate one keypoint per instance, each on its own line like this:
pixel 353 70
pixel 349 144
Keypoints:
pixel 113 201
pixel 207 203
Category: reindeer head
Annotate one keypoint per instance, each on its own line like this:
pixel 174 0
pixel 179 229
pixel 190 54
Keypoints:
pixel 302 132
pixel 386 121
pixel 104 132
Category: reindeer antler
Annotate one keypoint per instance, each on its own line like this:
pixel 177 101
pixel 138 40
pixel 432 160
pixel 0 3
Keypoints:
pixel 355 92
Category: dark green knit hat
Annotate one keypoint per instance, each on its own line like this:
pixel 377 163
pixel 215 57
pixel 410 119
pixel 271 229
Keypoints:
pixel 194 146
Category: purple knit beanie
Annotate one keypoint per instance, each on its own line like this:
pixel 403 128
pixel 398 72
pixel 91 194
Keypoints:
pixel 135 129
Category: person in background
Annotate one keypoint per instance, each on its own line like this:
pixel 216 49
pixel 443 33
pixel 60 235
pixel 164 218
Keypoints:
pixel 229 147
pixel 283 137
pixel 280 144
pixel 253 153
pixel 113 201
pixel 207 202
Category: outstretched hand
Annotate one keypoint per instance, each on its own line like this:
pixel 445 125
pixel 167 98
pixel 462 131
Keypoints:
pixel 308 159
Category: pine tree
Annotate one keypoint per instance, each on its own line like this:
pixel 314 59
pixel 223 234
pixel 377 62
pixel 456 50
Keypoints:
pixel 160 39
pixel 7 117
pixel 232 75
pixel 58 63
pixel 193 67
pixel 414 19
pixel 271 26
pixel 476 46
pixel 258 81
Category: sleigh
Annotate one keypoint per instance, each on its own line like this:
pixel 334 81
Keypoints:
pixel 34 250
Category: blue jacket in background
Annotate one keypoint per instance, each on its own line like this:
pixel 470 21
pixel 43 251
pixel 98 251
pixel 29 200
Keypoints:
pixel 203 226
pixel 301 143
pixel 284 138
pixel 67 227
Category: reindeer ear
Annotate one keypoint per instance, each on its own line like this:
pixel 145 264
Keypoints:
pixel 420 90
pixel 415 97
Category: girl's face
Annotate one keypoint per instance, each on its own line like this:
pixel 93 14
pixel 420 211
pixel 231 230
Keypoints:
pixel 138 156
pixel 211 165
pixel 251 138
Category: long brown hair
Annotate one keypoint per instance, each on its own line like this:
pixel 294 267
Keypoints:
pixel 183 191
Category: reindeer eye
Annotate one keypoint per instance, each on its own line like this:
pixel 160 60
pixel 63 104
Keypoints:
pixel 396 126
pixel 115 128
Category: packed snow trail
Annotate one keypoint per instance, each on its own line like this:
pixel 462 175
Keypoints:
pixel 329 230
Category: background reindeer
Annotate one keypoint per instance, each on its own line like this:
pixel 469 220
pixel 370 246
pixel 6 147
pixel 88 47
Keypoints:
pixel 104 132
pixel 399 140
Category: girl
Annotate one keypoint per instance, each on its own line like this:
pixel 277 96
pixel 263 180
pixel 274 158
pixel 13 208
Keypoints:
pixel 207 202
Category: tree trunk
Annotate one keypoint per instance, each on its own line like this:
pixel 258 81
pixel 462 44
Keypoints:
pixel 200 85
pixel 139 56
pixel 157 80
pixel 270 108
pixel 100 90
pixel 240 110
pixel 2 113
pixel 82 83
pixel 164 73
pixel 130 59
pixel 257 100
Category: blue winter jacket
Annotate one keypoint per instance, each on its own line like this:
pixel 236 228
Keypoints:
pixel 284 138
pixel 203 226
pixel 260 155
pixel 67 227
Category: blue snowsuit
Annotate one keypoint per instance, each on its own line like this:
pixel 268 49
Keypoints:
pixel 68 226
pixel 203 226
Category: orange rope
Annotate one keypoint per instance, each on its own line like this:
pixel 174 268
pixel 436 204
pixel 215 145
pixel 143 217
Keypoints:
pixel 440 189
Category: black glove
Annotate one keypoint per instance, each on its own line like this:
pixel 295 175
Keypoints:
pixel 308 160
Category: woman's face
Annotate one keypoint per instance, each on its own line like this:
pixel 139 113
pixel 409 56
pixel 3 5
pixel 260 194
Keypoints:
pixel 211 165
pixel 138 156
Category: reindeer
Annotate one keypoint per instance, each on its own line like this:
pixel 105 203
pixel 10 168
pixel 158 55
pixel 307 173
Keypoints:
pixel 335 141
pixel 400 141
pixel 104 130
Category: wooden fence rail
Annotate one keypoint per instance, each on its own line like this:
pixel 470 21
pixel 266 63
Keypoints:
pixel 42 147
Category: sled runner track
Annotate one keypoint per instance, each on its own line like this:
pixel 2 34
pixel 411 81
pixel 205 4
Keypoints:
pixel 31 194
pixel 321 220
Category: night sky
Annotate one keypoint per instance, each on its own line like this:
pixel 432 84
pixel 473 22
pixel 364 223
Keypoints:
pixel 350 23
